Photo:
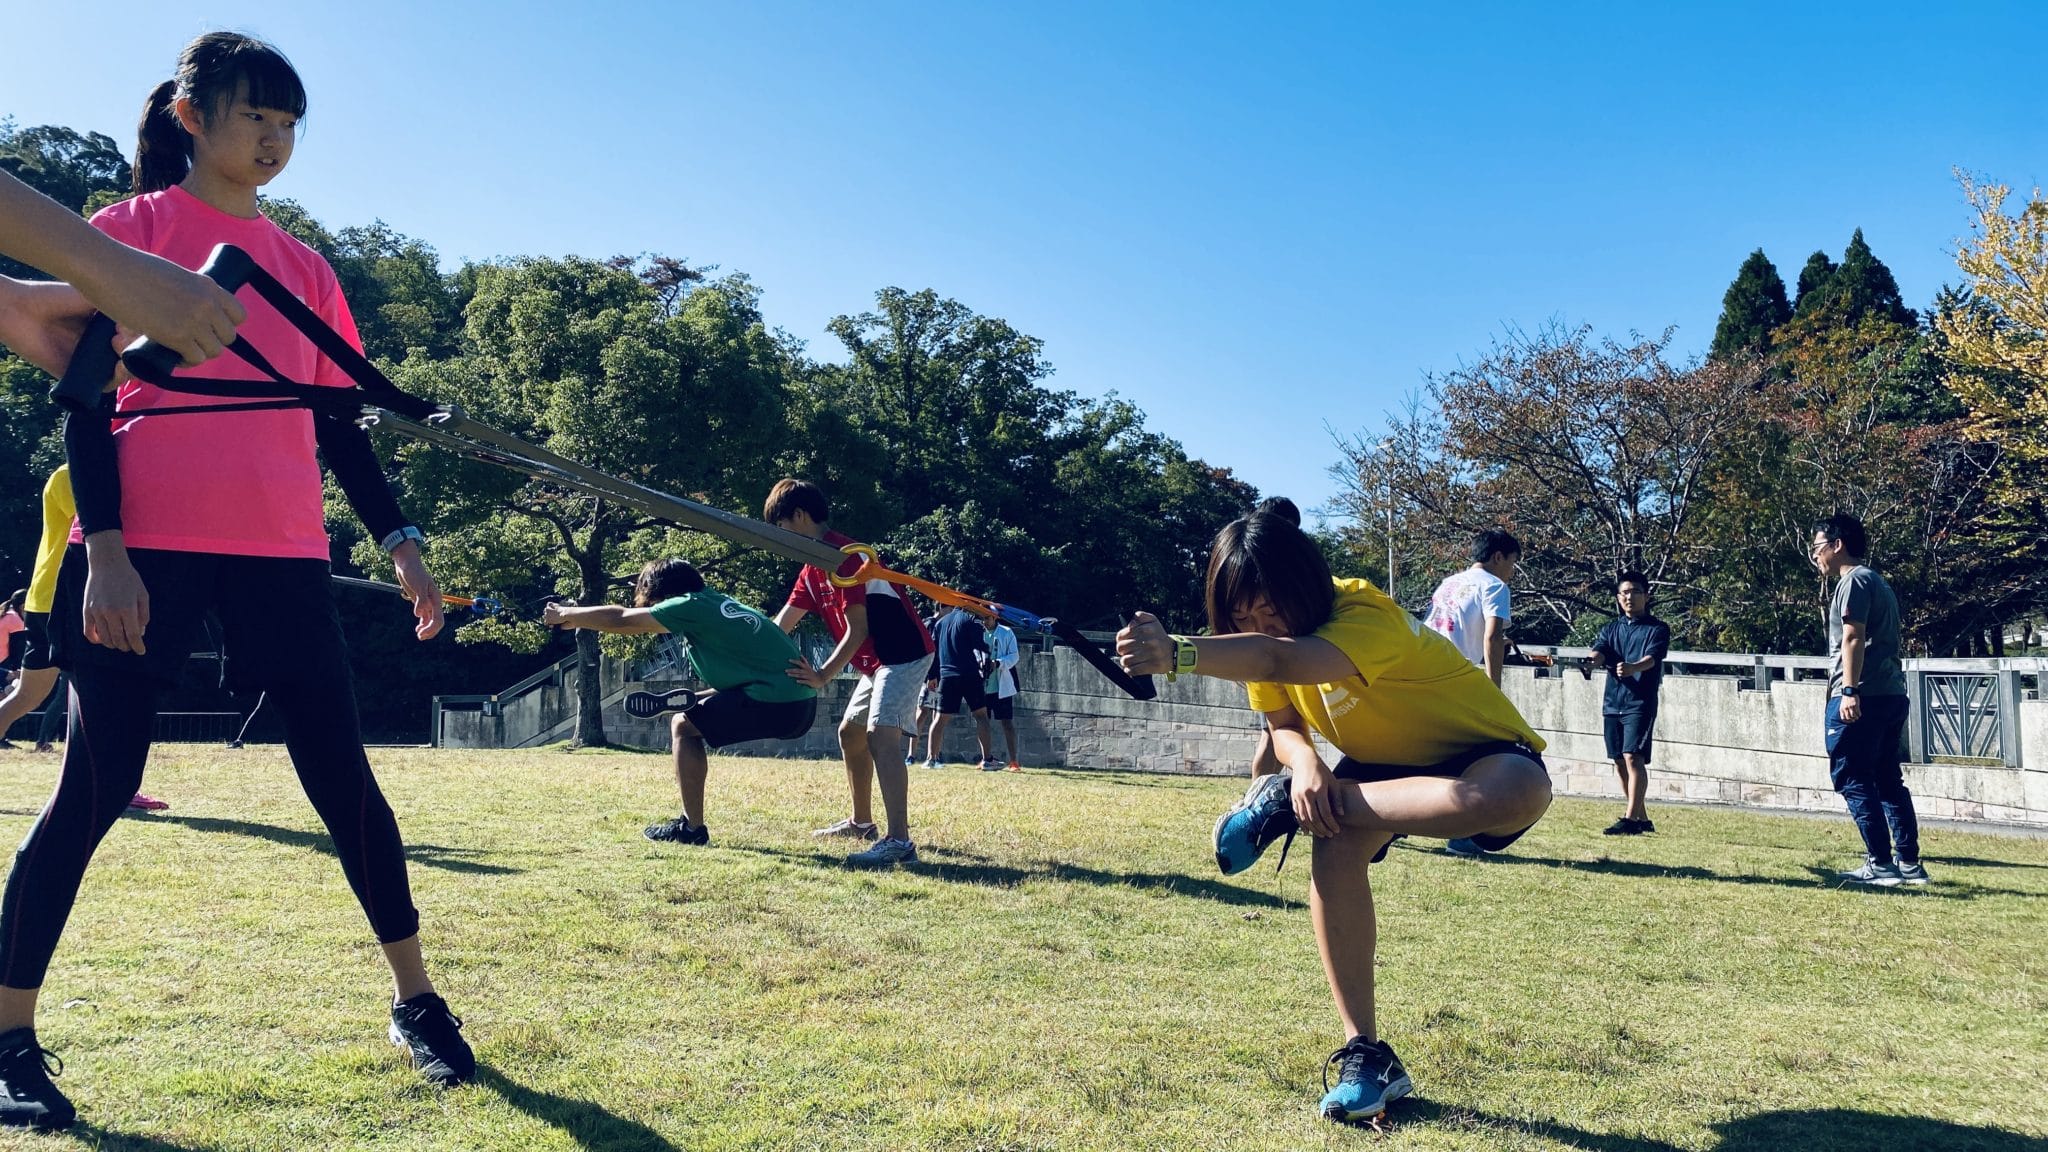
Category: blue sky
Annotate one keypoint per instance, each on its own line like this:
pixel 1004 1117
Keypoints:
pixel 1252 221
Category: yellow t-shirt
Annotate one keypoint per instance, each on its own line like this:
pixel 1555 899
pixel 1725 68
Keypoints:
pixel 1415 701
pixel 58 512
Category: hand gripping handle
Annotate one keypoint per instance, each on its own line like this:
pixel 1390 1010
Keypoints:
pixel 91 366
pixel 227 266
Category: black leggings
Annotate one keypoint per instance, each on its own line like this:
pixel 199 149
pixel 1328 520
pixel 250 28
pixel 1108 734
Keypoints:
pixel 108 741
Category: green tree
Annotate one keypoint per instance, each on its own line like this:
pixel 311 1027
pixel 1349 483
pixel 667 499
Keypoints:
pixel 587 359
pixel 1813 280
pixel 76 169
pixel 1751 310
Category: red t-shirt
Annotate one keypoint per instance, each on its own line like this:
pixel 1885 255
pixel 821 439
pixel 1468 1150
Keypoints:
pixel 240 483
pixel 895 634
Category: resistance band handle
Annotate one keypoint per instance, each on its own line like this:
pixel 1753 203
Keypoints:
pixel 91 366
pixel 1137 687
pixel 227 266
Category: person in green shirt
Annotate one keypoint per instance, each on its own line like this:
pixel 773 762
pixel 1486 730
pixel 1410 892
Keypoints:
pixel 735 649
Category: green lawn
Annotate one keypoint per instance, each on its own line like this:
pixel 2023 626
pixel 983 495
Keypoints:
pixel 1065 970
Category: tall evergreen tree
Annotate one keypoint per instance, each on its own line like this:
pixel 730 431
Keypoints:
pixel 1753 307
pixel 1813 282
pixel 1863 286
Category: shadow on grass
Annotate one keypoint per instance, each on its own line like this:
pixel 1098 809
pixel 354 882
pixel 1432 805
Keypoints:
pixel 1818 1129
pixel 94 1136
pixel 591 1126
pixel 431 855
pixel 1821 877
pixel 1975 862
pixel 1176 783
pixel 964 867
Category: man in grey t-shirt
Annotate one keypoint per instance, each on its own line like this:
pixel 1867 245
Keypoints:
pixel 1867 706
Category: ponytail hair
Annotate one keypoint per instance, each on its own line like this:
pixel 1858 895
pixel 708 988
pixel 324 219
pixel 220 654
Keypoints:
pixel 213 71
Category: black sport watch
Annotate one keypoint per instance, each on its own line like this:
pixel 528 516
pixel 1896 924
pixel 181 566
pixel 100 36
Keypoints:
pixel 1849 691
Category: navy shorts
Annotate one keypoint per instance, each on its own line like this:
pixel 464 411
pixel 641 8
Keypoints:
pixel 1629 735
pixel 1349 769
pixel 733 717
pixel 956 690
pixel 1002 707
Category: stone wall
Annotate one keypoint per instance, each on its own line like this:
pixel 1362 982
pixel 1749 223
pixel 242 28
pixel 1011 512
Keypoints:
pixel 1718 739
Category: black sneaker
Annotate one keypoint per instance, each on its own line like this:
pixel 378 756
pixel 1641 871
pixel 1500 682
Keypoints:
pixel 1369 1077
pixel 1628 826
pixel 424 1027
pixel 678 831
pixel 27 1098
pixel 648 705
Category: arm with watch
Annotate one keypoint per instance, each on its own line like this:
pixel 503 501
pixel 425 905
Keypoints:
pixel 1854 642
pixel 346 448
pixel 1145 647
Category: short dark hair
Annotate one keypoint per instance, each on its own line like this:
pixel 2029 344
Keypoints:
pixel 1264 555
pixel 661 580
pixel 1494 541
pixel 790 496
pixel 1848 530
pixel 1633 576
pixel 1282 507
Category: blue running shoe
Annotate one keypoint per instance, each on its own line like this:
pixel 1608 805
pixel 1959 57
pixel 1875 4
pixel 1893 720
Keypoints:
pixel 1464 846
pixel 1369 1077
pixel 1264 815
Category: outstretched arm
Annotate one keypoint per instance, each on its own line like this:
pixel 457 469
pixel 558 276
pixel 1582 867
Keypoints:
pixel 143 293
pixel 1144 648
pixel 602 618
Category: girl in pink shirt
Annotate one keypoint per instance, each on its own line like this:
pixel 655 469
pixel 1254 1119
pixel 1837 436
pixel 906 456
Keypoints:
pixel 181 515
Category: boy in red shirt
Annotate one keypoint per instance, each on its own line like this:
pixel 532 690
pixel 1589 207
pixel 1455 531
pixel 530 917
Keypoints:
pixel 881 636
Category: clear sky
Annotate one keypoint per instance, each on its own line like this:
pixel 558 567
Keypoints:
pixel 1252 220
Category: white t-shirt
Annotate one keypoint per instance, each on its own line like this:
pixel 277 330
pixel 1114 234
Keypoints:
pixel 1461 605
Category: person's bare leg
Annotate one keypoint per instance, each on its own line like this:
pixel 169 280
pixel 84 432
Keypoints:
pixel 18 1007
pixel 1010 738
pixel 935 744
pixel 692 765
pixel 1636 784
pixel 860 769
pixel 894 777
pixel 24 695
pixel 1340 907
pixel 1498 795
pixel 408 968
pixel 983 736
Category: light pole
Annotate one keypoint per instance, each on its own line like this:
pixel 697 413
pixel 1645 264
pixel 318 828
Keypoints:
pixel 1387 447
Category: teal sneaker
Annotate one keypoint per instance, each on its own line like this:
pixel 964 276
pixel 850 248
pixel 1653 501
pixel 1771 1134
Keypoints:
pixel 1369 1077
pixel 1264 815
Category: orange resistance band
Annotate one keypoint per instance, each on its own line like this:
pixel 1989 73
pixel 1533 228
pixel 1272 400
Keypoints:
pixel 871 569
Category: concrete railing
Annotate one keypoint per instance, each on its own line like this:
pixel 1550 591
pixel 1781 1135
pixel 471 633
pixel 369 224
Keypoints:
pixel 1749 736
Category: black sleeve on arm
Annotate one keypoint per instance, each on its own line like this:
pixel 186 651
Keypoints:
pixel 346 448
pixel 95 472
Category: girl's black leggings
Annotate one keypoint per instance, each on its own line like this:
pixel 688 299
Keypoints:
pixel 112 710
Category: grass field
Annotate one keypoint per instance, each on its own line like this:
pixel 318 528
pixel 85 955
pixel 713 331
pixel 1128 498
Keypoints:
pixel 1064 970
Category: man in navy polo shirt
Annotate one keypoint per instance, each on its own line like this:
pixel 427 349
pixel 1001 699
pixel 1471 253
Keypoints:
pixel 1632 647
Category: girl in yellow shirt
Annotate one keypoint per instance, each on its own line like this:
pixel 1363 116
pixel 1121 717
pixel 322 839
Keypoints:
pixel 1429 747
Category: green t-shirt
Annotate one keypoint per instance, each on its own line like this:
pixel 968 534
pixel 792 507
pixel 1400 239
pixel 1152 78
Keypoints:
pixel 734 646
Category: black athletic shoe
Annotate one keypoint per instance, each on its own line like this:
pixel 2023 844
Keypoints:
pixel 27 1098
pixel 424 1027
pixel 1369 1077
pixel 648 705
pixel 1628 827
pixel 678 831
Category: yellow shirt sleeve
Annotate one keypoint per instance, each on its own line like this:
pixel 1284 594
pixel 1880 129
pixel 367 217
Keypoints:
pixel 58 512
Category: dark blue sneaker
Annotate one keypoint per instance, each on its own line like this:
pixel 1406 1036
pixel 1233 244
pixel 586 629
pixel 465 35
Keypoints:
pixel 27 1098
pixel 1264 815
pixel 1369 1077
pixel 678 831
pixel 432 1036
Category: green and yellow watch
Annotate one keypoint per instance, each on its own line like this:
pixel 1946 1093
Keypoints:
pixel 1184 658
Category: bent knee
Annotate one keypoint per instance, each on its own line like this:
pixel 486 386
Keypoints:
pixel 681 728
